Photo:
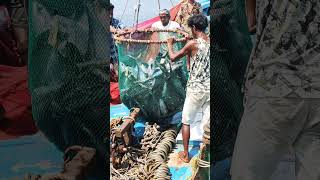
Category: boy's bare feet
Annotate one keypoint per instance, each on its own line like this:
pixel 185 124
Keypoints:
pixel 184 156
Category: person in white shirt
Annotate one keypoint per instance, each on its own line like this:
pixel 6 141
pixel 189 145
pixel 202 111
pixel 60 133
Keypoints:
pixel 165 23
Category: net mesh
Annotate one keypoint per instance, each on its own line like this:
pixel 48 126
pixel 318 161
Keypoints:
pixel 68 72
pixel 147 77
pixel 230 51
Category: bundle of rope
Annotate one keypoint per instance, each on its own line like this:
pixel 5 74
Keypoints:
pixel 206 142
pixel 206 134
pixel 201 163
pixel 149 162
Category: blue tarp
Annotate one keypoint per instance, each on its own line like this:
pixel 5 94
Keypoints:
pixel 29 154
pixel 121 110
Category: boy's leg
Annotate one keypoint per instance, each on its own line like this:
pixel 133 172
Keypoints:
pixel 205 111
pixel 185 139
pixel 191 107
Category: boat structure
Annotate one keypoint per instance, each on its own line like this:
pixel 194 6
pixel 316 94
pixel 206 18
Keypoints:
pixel 205 5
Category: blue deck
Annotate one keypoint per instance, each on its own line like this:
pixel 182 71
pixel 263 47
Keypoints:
pixel 179 169
pixel 29 154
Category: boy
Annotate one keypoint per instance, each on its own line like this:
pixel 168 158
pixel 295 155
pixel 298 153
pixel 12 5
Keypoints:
pixel 198 86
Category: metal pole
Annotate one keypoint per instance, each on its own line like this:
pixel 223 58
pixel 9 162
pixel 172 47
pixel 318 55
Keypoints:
pixel 138 14
pixel 159 5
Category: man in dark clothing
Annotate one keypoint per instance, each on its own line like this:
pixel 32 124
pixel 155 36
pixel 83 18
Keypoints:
pixel 282 91
pixel 115 24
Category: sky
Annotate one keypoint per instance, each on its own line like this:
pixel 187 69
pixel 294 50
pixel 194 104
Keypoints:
pixel 148 9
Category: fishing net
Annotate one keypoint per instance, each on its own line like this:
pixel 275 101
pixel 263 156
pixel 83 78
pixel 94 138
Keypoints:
pixel 68 72
pixel 147 77
pixel 230 49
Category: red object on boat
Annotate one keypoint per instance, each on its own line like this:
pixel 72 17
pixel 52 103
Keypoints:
pixel 114 93
pixel 16 101
pixel 173 13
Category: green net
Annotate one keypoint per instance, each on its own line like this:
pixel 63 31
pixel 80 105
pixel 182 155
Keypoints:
pixel 230 51
pixel 147 77
pixel 68 72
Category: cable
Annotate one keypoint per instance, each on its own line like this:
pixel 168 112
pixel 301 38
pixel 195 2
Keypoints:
pixel 171 3
pixel 125 8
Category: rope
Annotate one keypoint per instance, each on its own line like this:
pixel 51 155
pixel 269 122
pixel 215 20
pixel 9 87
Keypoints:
pixel 203 163
pixel 119 37
pixel 149 162
pixel 172 3
pixel 127 117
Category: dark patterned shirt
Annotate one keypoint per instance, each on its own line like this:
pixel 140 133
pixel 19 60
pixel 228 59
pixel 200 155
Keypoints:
pixel 186 11
pixel 285 60
pixel 113 49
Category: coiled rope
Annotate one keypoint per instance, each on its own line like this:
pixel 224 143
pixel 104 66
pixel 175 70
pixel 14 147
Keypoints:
pixel 149 162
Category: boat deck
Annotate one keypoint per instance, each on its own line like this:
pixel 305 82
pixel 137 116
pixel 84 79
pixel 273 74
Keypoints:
pixel 38 155
pixel 179 169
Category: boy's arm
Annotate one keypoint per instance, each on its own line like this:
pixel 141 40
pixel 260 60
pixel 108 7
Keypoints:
pixel 188 62
pixel 186 50
pixel 251 15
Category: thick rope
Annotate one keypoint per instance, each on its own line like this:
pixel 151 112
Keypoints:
pixel 203 163
pixel 120 36
pixel 149 162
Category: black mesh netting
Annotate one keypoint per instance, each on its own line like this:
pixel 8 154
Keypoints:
pixel 230 50
pixel 147 78
pixel 68 72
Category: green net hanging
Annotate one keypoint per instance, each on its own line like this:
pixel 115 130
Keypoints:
pixel 68 72
pixel 230 51
pixel 147 77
